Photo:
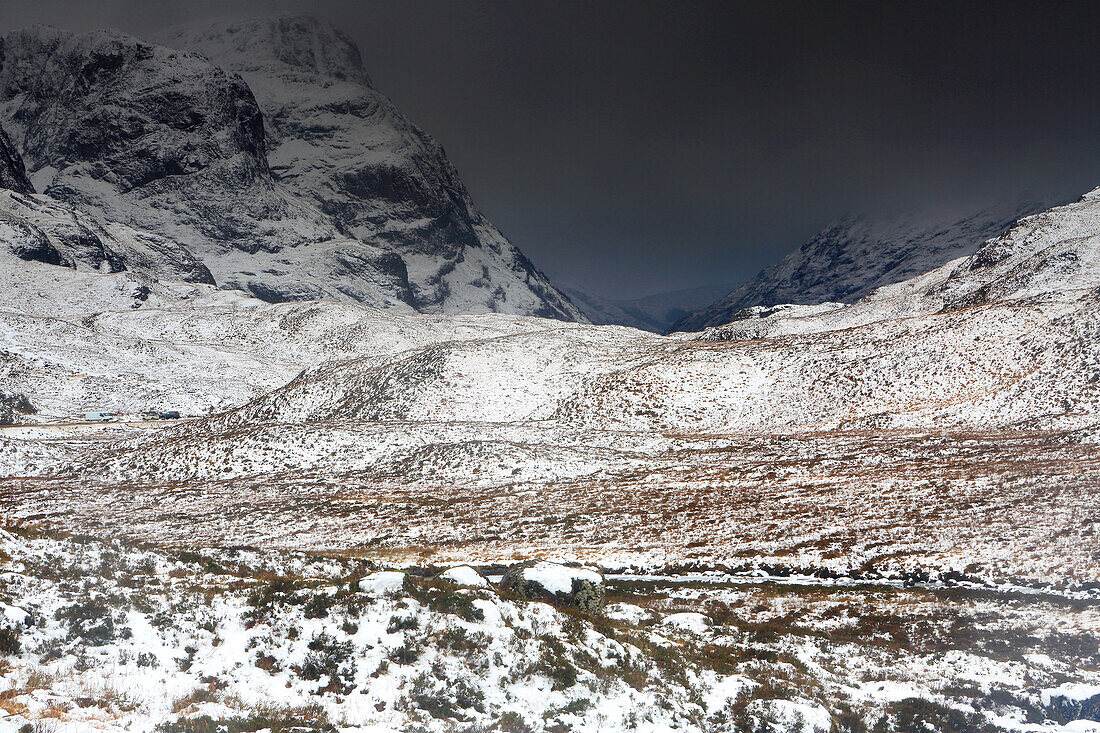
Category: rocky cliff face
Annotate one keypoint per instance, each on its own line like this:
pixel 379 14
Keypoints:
pixel 13 175
pixel 346 199
pixel 852 257
pixel 39 228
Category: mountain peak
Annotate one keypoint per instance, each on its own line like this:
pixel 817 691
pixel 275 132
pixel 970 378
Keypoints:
pixel 299 44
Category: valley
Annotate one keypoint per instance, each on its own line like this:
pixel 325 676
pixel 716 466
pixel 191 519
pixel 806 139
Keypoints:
pixel 292 438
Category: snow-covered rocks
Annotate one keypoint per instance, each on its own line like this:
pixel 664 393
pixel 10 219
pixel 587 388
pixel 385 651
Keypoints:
pixel 1073 701
pixel 382 582
pixel 14 616
pixel 580 587
pixel 627 612
pixel 697 623
pixel 464 576
pixel 340 145
pixel 40 228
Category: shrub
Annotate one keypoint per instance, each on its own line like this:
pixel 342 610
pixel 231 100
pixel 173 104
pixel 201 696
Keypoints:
pixel 329 657
pixel 915 715
pixel 407 653
pixel 90 620
pixel 442 597
pixel 512 722
pixel 445 699
pixel 9 641
pixel 402 623
pixel 317 606
pixel 309 719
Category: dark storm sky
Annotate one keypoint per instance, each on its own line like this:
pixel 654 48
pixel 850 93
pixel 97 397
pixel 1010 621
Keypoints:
pixel 636 147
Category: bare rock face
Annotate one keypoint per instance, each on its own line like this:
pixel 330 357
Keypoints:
pixel 38 228
pixel 13 175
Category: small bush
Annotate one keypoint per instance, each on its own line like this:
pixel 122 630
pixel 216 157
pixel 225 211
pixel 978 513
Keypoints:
pixel 916 715
pixel 512 722
pixel 445 699
pixel 329 658
pixel 309 719
pixel 9 641
pixel 317 606
pixel 407 653
pixel 90 621
pixel 402 623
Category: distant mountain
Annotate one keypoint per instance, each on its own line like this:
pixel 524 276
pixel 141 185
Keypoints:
pixel 270 157
pixel 657 313
pixel 855 255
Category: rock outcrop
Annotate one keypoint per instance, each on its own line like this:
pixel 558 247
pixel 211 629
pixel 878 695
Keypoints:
pixel 539 580
pixel 38 228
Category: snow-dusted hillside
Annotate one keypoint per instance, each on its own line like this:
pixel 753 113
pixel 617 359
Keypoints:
pixel 852 257
pixel 482 422
pixel 322 189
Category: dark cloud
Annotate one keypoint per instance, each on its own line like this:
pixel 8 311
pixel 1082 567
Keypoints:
pixel 641 146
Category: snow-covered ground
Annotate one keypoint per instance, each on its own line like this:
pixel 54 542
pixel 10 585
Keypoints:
pixel 113 636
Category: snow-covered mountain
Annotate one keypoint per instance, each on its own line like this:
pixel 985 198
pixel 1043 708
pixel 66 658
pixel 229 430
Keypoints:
pixel 857 254
pixel 658 312
pixel 322 189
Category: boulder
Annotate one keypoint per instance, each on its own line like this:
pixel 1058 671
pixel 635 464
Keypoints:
pixel 11 404
pixel 381 583
pixel 540 580
pixel 464 576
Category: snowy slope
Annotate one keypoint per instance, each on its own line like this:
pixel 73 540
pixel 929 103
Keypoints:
pixel 85 339
pixel 852 257
pixel 1006 339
